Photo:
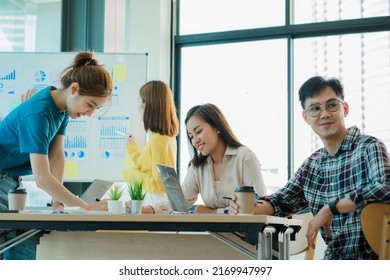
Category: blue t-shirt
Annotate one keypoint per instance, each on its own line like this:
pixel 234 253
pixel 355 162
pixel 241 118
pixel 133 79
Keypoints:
pixel 30 128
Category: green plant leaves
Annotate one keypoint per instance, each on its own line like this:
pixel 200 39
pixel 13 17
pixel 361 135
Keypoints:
pixel 135 190
pixel 115 192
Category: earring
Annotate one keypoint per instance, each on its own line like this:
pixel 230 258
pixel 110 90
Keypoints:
pixel 218 132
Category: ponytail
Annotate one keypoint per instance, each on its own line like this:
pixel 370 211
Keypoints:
pixel 93 79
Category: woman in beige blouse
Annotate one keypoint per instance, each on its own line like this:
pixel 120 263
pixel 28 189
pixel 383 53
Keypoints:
pixel 220 162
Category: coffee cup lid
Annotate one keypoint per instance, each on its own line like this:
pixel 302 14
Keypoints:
pixel 244 189
pixel 17 191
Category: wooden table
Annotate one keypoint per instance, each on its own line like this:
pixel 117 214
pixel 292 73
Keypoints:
pixel 257 229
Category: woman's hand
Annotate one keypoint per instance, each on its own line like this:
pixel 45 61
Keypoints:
pixel 98 206
pixel 128 206
pixel 129 138
pixel 204 209
pixel 30 92
pixel 233 206
pixel 57 206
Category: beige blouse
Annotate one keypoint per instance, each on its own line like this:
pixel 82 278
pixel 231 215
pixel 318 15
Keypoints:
pixel 240 167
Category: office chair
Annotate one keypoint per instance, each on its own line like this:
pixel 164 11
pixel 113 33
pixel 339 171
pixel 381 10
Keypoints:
pixel 375 220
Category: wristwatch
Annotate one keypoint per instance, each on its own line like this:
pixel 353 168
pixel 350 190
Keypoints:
pixel 332 206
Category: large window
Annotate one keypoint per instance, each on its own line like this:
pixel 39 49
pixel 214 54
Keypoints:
pixel 362 63
pixel 309 11
pixel 202 16
pixel 30 25
pixel 252 68
pixel 246 81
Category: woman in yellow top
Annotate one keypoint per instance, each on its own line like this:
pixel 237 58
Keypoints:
pixel 157 107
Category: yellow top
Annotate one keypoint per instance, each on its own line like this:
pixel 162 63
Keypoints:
pixel 159 149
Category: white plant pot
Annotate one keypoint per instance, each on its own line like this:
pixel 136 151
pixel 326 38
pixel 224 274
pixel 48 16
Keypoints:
pixel 136 206
pixel 115 206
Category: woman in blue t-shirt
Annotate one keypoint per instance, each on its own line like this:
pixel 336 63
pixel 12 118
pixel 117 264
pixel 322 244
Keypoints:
pixel 33 134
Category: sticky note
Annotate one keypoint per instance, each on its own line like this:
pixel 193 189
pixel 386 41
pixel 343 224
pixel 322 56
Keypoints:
pixel 71 169
pixel 119 73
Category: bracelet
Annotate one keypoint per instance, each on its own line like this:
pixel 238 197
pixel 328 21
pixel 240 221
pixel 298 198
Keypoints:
pixel 54 201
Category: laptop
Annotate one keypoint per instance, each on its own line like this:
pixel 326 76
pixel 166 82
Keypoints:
pixel 173 189
pixel 96 190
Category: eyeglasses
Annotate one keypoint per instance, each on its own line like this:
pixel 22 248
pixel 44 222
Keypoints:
pixel 332 105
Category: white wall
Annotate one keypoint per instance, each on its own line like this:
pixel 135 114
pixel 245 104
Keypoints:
pixel 135 26
pixel 48 27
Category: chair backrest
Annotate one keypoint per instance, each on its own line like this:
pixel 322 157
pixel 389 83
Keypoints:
pixel 375 220
pixel 300 245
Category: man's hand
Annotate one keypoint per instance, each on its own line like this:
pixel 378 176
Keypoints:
pixel 323 218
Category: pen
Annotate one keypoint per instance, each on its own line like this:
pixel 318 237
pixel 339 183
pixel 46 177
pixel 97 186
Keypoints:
pixel 122 133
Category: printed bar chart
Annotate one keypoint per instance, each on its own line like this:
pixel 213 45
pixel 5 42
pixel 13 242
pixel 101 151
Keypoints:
pixel 91 145
pixel 10 76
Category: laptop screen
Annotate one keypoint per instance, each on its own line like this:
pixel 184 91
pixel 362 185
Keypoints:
pixel 173 188
pixel 96 190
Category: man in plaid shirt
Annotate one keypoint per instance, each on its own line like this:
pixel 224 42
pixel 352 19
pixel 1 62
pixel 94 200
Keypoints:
pixel 336 181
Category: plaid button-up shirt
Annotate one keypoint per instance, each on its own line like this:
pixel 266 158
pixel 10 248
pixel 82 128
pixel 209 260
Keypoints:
pixel 360 171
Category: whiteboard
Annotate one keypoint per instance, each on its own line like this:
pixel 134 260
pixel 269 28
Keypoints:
pixel 92 148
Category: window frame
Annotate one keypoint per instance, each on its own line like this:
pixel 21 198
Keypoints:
pixel 288 31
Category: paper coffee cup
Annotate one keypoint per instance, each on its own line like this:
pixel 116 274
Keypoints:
pixel 17 199
pixel 245 200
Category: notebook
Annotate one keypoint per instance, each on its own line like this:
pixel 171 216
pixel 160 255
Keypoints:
pixel 96 190
pixel 173 189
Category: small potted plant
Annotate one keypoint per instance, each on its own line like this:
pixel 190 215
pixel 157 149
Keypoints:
pixel 115 193
pixel 137 196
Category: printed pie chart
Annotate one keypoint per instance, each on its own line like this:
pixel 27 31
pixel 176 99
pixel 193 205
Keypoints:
pixel 40 76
